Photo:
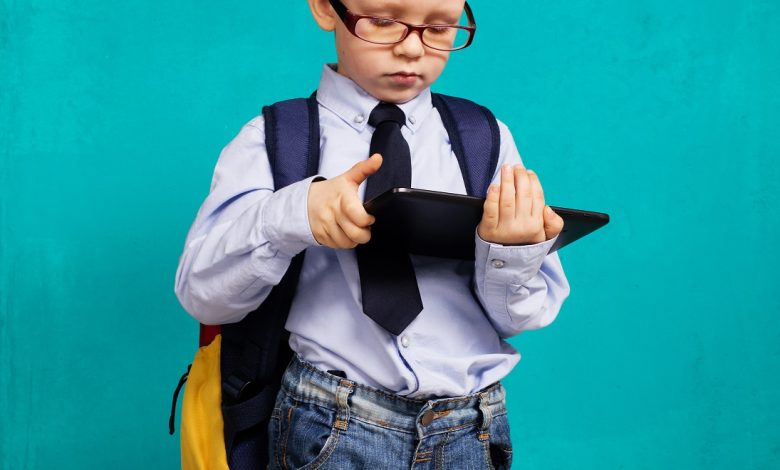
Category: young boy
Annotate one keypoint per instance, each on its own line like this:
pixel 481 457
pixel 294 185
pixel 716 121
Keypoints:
pixel 357 395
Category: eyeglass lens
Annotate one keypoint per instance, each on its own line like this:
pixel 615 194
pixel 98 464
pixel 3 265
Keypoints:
pixel 388 31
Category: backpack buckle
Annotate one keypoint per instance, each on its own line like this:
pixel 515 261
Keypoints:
pixel 236 389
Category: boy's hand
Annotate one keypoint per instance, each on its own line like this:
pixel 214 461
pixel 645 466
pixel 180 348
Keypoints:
pixel 514 211
pixel 336 214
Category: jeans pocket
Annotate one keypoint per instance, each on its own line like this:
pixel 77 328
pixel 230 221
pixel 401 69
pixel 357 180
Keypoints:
pixel 304 435
pixel 499 447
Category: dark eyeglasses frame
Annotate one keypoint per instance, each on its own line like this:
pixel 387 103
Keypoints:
pixel 350 20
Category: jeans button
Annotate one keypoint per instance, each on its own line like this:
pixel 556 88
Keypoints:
pixel 427 417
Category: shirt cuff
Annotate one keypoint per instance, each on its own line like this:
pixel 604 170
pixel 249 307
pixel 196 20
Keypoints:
pixel 510 264
pixel 286 218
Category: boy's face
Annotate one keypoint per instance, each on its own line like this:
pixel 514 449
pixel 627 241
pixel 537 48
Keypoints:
pixel 393 73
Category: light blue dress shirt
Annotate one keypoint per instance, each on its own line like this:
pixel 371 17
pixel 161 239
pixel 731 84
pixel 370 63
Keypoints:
pixel 246 233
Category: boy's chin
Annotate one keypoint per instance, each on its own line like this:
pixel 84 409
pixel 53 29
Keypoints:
pixel 395 95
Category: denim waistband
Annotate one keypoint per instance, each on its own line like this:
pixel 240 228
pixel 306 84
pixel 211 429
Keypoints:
pixel 304 382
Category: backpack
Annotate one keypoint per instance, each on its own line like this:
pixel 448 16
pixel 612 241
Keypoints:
pixel 250 356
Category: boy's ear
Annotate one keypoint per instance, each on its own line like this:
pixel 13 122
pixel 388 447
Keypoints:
pixel 323 14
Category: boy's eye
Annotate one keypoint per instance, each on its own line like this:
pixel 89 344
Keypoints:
pixel 438 30
pixel 382 22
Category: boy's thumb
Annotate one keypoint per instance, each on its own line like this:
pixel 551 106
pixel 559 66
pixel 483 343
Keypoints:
pixel 362 170
pixel 553 223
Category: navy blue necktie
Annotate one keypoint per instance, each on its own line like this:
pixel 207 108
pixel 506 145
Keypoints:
pixel 387 281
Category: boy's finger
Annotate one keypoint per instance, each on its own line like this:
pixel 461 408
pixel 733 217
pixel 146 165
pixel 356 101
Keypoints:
pixel 553 223
pixel 490 208
pixel 506 199
pixel 338 238
pixel 524 196
pixel 353 232
pixel 356 213
pixel 537 193
pixel 363 169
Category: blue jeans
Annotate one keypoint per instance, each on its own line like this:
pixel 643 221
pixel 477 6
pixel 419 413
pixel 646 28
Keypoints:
pixel 322 421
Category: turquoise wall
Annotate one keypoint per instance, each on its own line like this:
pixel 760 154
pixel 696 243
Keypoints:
pixel 663 114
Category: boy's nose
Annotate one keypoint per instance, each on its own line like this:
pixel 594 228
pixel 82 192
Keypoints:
pixel 411 46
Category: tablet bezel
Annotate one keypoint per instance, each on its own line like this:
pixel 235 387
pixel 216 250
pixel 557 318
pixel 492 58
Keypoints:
pixel 409 206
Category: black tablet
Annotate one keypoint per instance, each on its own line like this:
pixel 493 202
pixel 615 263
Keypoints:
pixel 434 223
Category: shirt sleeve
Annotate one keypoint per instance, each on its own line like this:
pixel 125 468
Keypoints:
pixel 520 287
pixel 244 235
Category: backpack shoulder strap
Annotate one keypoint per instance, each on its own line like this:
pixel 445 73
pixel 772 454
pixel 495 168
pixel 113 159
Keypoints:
pixel 255 350
pixel 293 152
pixel 475 140
pixel 292 138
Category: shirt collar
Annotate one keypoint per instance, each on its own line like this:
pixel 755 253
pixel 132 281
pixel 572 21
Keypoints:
pixel 353 104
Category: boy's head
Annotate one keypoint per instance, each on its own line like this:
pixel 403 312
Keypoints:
pixel 393 71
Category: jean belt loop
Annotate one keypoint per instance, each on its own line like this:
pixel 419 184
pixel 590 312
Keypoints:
pixel 487 417
pixel 342 399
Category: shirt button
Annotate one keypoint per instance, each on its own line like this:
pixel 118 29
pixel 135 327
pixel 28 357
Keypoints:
pixel 359 118
pixel 405 341
pixel 412 120
pixel 497 263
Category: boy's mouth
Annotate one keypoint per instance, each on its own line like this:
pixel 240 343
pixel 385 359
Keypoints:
pixel 404 78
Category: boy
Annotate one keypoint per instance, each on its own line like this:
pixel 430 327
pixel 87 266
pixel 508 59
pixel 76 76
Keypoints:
pixel 357 395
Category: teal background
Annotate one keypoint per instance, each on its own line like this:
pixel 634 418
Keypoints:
pixel 662 113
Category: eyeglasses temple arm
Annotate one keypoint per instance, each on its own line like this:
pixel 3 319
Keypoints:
pixel 469 14
pixel 341 10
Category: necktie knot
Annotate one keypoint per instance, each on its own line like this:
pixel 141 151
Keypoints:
pixel 384 112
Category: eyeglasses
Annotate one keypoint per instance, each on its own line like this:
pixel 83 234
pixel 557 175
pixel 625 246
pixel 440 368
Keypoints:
pixel 382 30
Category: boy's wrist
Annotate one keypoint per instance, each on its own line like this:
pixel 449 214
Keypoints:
pixel 512 264
pixel 285 218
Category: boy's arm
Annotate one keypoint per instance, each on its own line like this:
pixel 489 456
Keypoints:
pixel 520 287
pixel 244 236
